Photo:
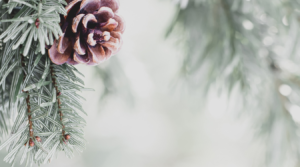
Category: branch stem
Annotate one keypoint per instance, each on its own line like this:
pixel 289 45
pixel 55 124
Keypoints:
pixel 27 101
pixel 57 97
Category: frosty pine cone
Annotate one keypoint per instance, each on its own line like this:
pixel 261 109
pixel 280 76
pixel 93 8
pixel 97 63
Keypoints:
pixel 92 32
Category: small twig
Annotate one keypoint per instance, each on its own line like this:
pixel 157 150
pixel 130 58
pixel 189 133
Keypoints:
pixel 57 98
pixel 27 102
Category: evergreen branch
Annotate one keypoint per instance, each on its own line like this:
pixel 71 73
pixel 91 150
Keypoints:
pixel 244 38
pixel 46 124
pixel 42 126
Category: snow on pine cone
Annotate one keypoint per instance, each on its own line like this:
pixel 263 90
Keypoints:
pixel 92 32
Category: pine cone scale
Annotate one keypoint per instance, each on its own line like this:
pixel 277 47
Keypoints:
pixel 76 22
pixel 81 58
pixel 110 25
pixel 97 54
pixel 113 4
pixel 78 46
pixel 87 19
pixel 63 44
pixel 104 13
pixel 71 6
pixel 59 58
pixel 89 6
pixel 90 40
pixel 121 25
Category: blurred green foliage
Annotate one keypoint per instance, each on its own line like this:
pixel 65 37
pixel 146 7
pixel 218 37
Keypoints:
pixel 250 46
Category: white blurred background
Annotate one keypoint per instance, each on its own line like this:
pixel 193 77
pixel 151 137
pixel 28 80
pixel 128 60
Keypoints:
pixel 161 127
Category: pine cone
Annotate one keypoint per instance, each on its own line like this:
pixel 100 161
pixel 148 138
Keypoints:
pixel 92 32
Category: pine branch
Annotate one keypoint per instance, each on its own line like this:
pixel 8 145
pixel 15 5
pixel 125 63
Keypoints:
pixel 41 96
pixel 227 43
pixel 48 128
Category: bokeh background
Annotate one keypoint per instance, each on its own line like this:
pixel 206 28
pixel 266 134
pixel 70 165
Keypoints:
pixel 139 116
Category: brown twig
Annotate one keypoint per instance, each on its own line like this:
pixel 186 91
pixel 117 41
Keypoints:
pixel 57 98
pixel 27 101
